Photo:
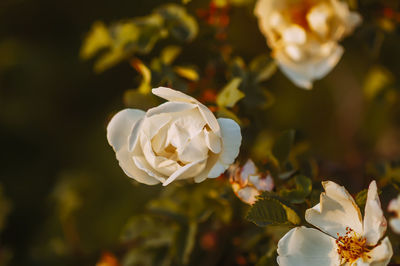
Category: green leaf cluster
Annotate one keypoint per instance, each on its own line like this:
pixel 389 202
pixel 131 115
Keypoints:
pixel 253 78
pixel 300 192
pixel 125 38
pixel 160 72
pixel 171 222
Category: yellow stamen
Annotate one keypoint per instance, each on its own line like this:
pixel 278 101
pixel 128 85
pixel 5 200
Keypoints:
pixel 351 247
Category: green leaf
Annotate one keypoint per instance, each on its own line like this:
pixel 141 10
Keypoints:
pixel 137 256
pixel 139 35
pixel 98 38
pixel 187 72
pixel 263 67
pixel 287 174
pixel 185 241
pixel 267 260
pixel 283 145
pixel 302 190
pixel 223 112
pixel 361 198
pixel 169 54
pixel 151 29
pixel 291 214
pixel 109 60
pixel 376 80
pixel 267 211
pixel 152 230
pixel 178 22
pixel 230 94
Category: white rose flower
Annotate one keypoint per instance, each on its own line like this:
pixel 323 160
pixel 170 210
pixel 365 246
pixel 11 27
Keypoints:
pixel 343 238
pixel 304 35
pixel 394 206
pixel 248 183
pixel 179 139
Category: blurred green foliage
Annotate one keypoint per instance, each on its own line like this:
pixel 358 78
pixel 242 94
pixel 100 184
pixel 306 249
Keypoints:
pixel 138 35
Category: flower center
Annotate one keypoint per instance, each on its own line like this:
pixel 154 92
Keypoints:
pixel 351 246
pixel 298 13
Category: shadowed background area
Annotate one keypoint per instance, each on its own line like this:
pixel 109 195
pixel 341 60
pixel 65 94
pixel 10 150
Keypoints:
pixel 55 159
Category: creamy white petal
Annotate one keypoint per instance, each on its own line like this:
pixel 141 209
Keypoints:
pixel 336 211
pixel 374 222
pixel 173 95
pixel 177 96
pixel 131 170
pixel 294 34
pixel 142 164
pixel 134 136
pixel 381 255
pixel 394 205
pixel 196 149
pixel 304 73
pixel 213 141
pixel 190 121
pixel 118 131
pixel 170 107
pixel 324 66
pixel 210 119
pixel 217 170
pixel 262 183
pixel 294 52
pixel 128 166
pixel 212 160
pixel 159 141
pixel 177 136
pixel 182 171
pixel 395 225
pixel 317 18
pixel 152 125
pixel 248 195
pixel 120 127
pixel 294 72
pixel 307 246
pixel 268 14
pixel 194 170
pixel 160 164
pixel 248 169
pixel 348 18
pixel 147 151
pixel 231 141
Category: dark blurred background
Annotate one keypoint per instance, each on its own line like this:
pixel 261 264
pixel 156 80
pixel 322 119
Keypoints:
pixel 53 113
pixel 54 110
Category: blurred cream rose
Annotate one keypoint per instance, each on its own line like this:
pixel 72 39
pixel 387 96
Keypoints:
pixel 179 139
pixel 394 206
pixel 304 35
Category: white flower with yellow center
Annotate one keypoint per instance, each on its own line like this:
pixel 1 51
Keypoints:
pixel 179 139
pixel 394 206
pixel 342 237
pixel 304 35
